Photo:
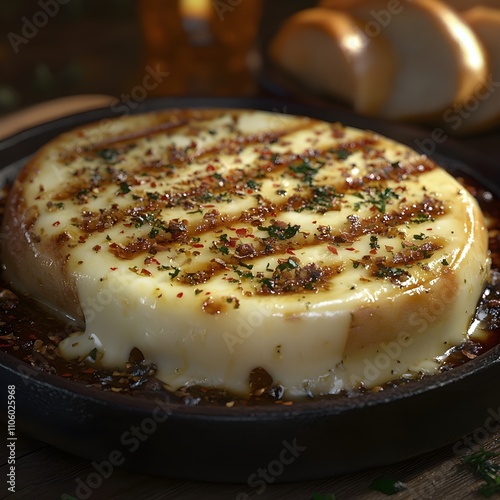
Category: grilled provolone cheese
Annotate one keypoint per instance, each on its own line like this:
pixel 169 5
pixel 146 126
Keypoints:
pixel 218 241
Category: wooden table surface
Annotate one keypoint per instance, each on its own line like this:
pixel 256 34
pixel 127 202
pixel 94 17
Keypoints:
pixel 44 472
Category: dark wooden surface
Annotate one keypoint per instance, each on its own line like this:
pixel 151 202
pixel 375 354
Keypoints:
pixel 44 472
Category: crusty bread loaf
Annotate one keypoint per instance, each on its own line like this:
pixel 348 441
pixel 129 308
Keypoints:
pixel 410 61
pixel 339 4
pixel 439 60
pixel 482 110
pixel 458 5
pixel 330 52
pixel 462 5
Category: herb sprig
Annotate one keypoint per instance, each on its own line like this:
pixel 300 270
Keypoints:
pixel 481 464
pixel 305 171
pixel 387 486
pixel 280 231
pixel 377 198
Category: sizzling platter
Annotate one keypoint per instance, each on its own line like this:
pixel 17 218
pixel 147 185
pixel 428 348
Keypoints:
pixel 301 422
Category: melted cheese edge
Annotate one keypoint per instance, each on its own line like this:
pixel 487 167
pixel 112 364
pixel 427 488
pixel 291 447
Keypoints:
pixel 358 329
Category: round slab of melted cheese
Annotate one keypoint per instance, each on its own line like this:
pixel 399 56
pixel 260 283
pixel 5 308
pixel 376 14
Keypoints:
pixel 219 241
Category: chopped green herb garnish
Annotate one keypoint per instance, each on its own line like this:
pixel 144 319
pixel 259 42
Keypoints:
pixel 322 199
pixel 268 282
pixel 141 219
pixel 374 242
pixel 109 155
pixel 281 232
pixel 394 273
pixel 150 218
pixel 289 264
pixel 421 218
pixel 343 153
pixel 255 186
pixel 218 177
pixel 387 486
pixel 420 236
pixel 124 187
pixel 82 193
pixel 376 198
pixel 175 273
pixel 445 262
pixel 305 171
pixel 486 469
pixel 206 197
pixel 241 274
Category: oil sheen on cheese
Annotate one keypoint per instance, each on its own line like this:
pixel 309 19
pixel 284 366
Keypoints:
pixel 218 241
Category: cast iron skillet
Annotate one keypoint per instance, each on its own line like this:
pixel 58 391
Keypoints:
pixel 308 440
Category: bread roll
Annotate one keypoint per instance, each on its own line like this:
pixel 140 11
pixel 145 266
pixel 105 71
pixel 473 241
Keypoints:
pixel 329 52
pixel 439 59
pixel 482 110
pixel 403 60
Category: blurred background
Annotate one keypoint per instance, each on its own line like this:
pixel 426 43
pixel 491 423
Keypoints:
pixel 135 49
pixel 57 48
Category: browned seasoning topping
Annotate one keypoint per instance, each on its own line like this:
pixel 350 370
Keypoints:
pixel 290 277
pixel 260 379
pixel 128 252
pixel 212 306
pixel 62 238
pixel 198 197
pixel 414 253
pixel 246 250
pixel 383 224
